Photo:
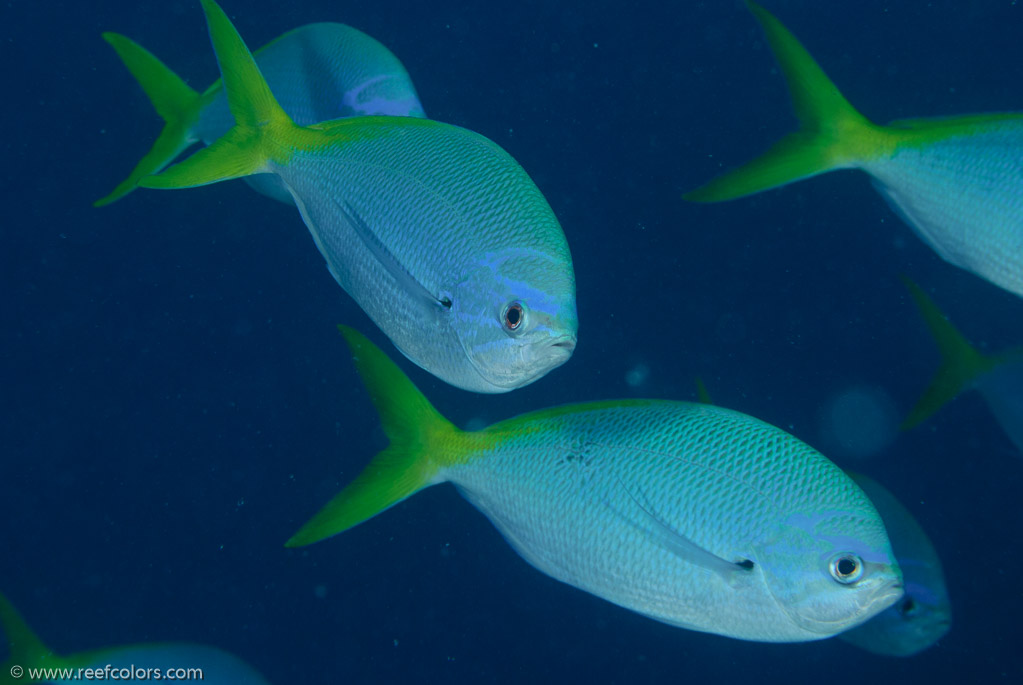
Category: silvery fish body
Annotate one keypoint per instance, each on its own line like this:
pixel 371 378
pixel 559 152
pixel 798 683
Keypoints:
pixel 438 234
pixel 697 516
pixel 924 613
pixel 959 185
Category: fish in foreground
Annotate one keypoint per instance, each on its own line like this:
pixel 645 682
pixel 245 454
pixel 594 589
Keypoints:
pixel 438 234
pixel 694 515
pixel 957 181
pixel 998 378
pixel 923 615
pixel 28 655
pixel 317 72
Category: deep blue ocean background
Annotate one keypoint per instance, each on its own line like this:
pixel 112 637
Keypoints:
pixel 176 400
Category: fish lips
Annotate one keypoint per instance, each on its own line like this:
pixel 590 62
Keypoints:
pixel 886 593
pixel 534 361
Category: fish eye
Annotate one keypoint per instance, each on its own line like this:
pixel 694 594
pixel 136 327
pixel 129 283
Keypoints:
pixel 907 607
pixel 514 316
pixel 846 568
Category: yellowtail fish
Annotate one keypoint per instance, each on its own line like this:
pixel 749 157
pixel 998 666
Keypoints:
pixel 957 181
pixel 318 72
pixel 998 378
pixel 438 234
pixel 694 515
pixel 924 613
pixel 31 661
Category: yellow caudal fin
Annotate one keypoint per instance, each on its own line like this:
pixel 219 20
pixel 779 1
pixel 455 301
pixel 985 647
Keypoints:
pixel 261 128
pixel 173 99
pixel 832 134
pixel 960 362
pixel 421 443
pixel 26 651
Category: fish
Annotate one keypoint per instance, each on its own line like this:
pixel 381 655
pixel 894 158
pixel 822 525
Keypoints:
pixel 31 661
pixel 997 377
pixel 697 516
pixel 435 231
pixel 956 181
pixel 924 613
pixel 317 71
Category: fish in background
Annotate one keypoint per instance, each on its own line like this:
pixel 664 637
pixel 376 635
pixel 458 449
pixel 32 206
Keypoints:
pixel 957 181
pixel 317 72
pixel 998 378
pixel 122 663
pixel 924 613
pixel 698 516
pixel 435 231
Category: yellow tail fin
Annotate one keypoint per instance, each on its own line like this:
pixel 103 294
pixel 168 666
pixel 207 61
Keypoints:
pixel 261 125
pixel 421 443
pixel 27 652
pixel 960 362
pixel 832 134
pixel 173 99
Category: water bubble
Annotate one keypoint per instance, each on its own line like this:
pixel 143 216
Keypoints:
pixel 637 375
pixel 859 421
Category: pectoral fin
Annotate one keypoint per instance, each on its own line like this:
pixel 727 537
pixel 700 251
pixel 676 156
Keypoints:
pixel 386 258
pixel 646 519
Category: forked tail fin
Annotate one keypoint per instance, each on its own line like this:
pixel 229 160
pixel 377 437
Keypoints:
pixel 173 99
pixel 421 444
pixel 961 363
pixel 832 134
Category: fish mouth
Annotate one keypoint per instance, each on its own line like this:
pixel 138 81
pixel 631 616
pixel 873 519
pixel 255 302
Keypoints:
pixel 885 596
pixel 566 343
pixel 535 364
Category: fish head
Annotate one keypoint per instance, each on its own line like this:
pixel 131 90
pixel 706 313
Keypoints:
pixel 515 318
pixel 830 571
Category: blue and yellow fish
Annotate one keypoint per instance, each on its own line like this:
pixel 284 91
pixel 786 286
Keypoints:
pixel 957 181
pixel 694 515
pixel 438 234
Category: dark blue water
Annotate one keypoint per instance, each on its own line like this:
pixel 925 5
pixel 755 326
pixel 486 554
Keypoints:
pixel 176 400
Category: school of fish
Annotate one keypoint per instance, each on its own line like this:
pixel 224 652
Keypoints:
pixel 694 515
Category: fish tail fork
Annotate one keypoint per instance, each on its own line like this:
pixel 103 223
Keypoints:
pixel 174 100
pixel 422 443
pixel 832 134
pixel 262 131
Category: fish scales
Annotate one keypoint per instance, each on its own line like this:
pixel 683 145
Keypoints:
pixel 567 491
pixel 963 195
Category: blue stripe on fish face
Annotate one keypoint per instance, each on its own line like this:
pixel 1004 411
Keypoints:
pixel 543 335
pixel 807 593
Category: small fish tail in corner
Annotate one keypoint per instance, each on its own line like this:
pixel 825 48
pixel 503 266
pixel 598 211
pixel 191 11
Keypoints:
pixel 26 651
